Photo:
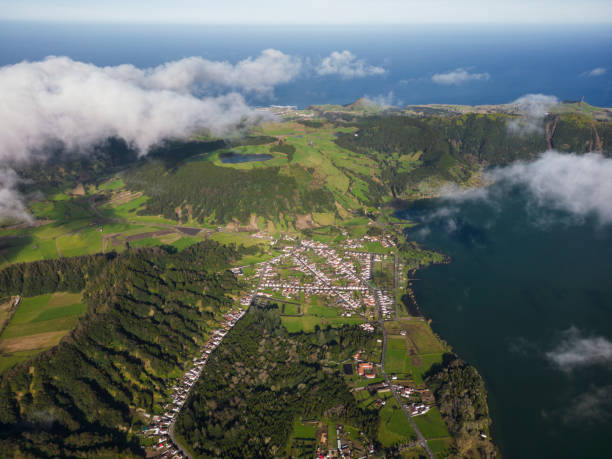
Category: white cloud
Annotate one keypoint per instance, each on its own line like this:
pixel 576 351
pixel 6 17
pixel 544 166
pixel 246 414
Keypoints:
pixel 599 71
pixel 59 102
pixel 458 76
pixel 346 64
pixel 535 105
pixel 576 350
pixel 382 100
pixel 78 104
pixel 532 108
pixel 260 74
pixel 592 406
pixel 578 184
pixel 11 201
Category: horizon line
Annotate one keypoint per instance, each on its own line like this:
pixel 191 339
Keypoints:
pixel 307 24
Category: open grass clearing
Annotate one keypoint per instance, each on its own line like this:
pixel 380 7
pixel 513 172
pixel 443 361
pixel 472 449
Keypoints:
pixel 39 323
pixel 394 427
pixel 419 337
pixel 431 424
pixel 308 323
pixel 440 446
pixel 301 430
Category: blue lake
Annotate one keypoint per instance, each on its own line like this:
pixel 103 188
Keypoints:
pixel 529 303
pixel 233 158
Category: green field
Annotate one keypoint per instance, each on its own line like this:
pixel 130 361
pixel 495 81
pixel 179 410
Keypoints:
pixel 440 447
pixel 317 314
pixel 301 430
pixel 431 424
pixel 39 323
pixel 413 354
pixel 308 323
pixel 394 427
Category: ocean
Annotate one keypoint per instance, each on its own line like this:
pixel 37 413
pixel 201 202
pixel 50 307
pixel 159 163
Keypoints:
pixel 519 59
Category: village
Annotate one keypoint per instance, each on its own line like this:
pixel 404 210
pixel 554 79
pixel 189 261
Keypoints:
pixel 343 274
pixel 161 426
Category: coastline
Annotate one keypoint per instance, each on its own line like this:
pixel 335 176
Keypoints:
pixel 487 443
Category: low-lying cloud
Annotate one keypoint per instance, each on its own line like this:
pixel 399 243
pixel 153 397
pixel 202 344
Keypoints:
pixel 75 104
pixel 584 409
pixel 60 103
pixel 459 76
pixel 577 350
pixel 382 100
pixel 578 184
pixel 559 188
pixel 592 406
pixel 347 65
pixel 532 108
pixel 11 200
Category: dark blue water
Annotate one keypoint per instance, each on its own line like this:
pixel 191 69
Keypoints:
pixel 518 295
pixel 520 59
pixel 233 158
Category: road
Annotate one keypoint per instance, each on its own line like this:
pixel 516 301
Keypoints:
pixel 171 426
pixel 396 283
pixel 381 321
pixel 176 443
pixel 420 437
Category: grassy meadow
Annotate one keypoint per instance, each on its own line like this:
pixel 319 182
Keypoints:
pixel 316 312
pixel 412 355
pixel 39 323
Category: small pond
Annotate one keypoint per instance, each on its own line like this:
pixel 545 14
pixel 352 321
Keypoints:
pixel 233 158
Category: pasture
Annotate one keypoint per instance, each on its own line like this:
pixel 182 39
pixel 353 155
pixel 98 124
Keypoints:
pixel 413 354
pixel 39 323
pixel 315 313
pixel 431 424
pixel 393 427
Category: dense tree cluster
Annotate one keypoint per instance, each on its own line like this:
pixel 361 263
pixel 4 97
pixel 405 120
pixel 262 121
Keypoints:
pixel 201 189
pixel 285 148
pixel 149 312
pixel 462 397
pixel 62 168
pixel 261 379
pixel 46 276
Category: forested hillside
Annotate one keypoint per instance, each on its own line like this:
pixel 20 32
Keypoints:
pixel 47 276
pixel 200 190
pixel 462 396
pixel 448 148
pixel 149 312
pixel 262 379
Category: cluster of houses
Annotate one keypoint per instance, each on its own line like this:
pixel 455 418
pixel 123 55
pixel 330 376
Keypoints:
pixel 384 240
pixel 161 424
pixel 345 445
pixel 415 408
pixel 344 281
pixel 322 283
pixel 338 276
pixel 367 327
pixel 385 302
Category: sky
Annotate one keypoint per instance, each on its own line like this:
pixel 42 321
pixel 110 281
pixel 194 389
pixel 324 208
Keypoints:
pixel 311 11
